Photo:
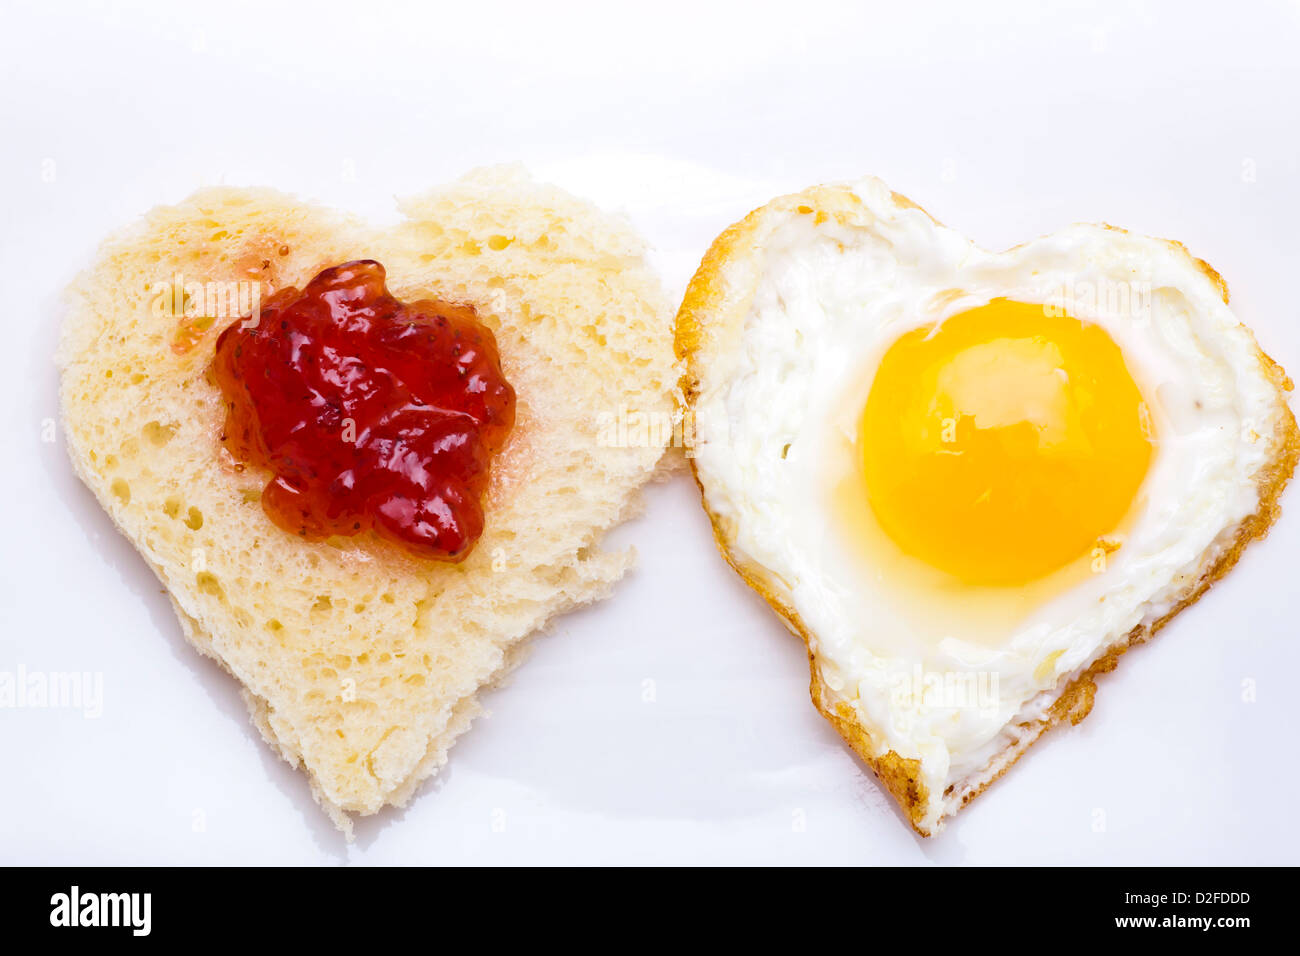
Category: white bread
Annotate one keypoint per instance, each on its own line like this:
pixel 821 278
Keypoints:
pixel 360 663
pixel 710 329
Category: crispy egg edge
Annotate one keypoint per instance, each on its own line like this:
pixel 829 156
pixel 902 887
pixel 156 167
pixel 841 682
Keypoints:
pixel 711 319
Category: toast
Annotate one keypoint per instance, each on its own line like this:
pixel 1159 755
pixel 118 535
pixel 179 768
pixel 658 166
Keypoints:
pixel 361 663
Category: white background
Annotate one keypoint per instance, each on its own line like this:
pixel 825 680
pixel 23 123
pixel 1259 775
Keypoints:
pixel 1005 121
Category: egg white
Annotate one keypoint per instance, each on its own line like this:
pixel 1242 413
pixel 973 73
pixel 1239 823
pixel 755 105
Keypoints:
pixel 776 437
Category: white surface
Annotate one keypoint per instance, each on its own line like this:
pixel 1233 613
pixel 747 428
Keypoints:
pixel 1176 119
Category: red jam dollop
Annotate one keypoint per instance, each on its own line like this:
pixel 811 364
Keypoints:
pixel 371 413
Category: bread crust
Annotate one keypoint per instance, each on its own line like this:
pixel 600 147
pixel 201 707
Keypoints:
pixel 710 304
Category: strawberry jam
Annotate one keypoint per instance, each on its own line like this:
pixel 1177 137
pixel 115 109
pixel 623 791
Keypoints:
pixel 371 413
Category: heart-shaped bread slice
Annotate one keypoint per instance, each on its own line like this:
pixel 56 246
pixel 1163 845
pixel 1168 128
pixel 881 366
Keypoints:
pixel 360 661
pixel 970 480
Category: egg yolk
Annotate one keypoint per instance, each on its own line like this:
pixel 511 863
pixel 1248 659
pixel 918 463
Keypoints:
pixel 1004 442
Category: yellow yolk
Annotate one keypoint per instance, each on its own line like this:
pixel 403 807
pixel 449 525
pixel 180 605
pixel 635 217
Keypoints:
pixel 1003 444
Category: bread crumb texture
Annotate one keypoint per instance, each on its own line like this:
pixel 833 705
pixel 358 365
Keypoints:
pixel 360 663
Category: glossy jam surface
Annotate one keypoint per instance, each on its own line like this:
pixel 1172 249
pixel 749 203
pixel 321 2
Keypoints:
pixel 1004 443
pixel 371 413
